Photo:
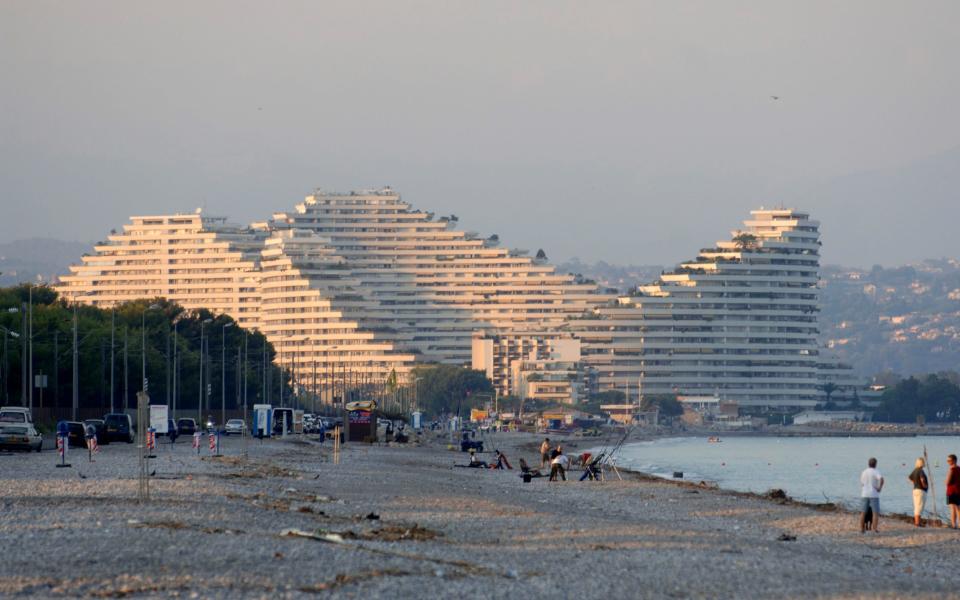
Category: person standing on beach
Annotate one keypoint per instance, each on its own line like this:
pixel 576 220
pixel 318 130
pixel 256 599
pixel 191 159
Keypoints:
pixel 953 489
pixel 545 453
pixel 871 482
pixel 920 486
pixel 558 466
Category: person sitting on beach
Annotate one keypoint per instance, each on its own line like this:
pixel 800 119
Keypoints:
pixel 525 469
pixel 545 453
pixel 871 482
pixel 920 485
pixel 953 489
pixel 476 463
pixel 558 466
pixel 502 462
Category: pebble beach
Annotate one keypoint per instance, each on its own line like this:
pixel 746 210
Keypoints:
pixel 278 519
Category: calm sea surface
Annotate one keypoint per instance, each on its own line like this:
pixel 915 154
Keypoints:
pixel 810 469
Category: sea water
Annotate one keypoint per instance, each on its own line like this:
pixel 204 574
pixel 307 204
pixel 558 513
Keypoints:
pixel 812 469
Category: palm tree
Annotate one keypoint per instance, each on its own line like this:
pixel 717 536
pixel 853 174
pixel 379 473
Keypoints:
pixel 829 388
pixel 745 240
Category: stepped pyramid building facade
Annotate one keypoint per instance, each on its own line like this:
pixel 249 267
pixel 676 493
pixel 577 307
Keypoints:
pixel 739 322
pixel 436 284
pixel 194 260
pixel 357 282
pixel 317 316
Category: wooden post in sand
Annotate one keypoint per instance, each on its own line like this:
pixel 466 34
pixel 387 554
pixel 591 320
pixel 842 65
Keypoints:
pixel 336 445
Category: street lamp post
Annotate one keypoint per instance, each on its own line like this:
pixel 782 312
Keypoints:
pixel 30 343
pixel 200 397
pixel 24 377
pixel 145 385
pixel 175 381
pixel 76 369
pixel 113 328
pixel 6 364
pixel 281 372
pixel 223 373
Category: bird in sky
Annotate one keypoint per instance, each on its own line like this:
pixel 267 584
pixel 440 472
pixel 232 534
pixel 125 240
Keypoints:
pixel 775 97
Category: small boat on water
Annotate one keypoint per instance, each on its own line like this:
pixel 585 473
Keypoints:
pixel 714 439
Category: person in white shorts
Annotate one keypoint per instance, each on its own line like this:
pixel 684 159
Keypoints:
pixel 920 485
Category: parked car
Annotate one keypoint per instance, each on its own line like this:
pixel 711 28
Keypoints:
pixel 236 426
pixel 330 422
pixel 119 428
pixel 76 433
pixel 20 437
pixel 99 428
pixel 15 414
pixel 186 426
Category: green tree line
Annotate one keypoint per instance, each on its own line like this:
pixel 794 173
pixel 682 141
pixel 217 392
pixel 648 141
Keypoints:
pixel 934 397
pixel 447 389
pixel 168 333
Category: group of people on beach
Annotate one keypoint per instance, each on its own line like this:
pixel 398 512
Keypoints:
pixel 550 455
pixel 558 461
pixel 871 484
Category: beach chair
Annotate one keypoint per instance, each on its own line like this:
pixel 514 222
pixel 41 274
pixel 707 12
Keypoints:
pixel 526 473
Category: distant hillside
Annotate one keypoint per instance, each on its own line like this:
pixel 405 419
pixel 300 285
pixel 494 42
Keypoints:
pixel 620 277
pixel 905 319
pixel 37 259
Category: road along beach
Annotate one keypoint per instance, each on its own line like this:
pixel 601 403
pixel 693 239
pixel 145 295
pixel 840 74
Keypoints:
pixel 403 521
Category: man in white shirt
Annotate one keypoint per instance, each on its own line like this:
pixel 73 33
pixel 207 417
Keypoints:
pixel 871 482
pixel 559 466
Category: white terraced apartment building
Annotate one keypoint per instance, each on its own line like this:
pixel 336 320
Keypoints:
pixel 740 321
pixel 437 285
pixel 194 260
pixel 358 282
pixel 362 283
pixel 310 309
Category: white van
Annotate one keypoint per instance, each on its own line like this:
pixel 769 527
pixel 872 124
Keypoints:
pixel 15 414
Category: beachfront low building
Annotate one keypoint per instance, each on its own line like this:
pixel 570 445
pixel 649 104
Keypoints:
pixel 541 365
pixel 825 417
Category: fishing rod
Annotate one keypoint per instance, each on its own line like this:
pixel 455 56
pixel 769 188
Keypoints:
pixel 608 458
pixel 930 478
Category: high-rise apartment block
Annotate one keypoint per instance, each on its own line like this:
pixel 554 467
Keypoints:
pixel 739 322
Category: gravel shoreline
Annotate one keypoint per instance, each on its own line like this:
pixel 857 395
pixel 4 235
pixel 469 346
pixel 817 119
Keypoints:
pixel 403 521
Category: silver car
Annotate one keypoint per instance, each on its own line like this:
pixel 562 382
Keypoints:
pixel 20 437
pixel 236 426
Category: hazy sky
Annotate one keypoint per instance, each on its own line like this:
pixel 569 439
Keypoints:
pixel 624 131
